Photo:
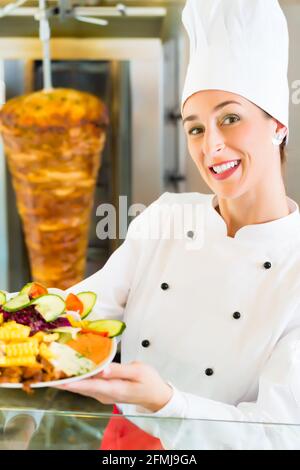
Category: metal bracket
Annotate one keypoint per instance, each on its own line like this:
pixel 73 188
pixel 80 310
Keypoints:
pixel 174 178
pixel 174 116
pixel 122 9
pixel 65 9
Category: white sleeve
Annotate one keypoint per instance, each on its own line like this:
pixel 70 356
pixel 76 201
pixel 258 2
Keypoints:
pixel 111 283
pixel 233 427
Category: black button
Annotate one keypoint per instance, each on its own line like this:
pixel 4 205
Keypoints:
pixel 209 372
pixel 145 343
pixel 165 286
pixel 236 315
pixel 268 265
pixel 190 234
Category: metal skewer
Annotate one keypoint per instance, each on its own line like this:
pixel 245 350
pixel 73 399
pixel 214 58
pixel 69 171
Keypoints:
pixel 45 38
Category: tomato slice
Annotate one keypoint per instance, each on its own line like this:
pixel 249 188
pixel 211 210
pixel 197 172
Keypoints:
pixel 36 290
pixel 99 333
pixel 74 303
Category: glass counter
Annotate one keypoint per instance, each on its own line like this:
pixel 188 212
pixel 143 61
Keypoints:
pixel 51 419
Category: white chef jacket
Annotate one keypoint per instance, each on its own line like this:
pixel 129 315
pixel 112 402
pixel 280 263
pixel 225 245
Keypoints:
pixel 220 315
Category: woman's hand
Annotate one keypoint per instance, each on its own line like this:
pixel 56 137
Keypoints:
pixel 134 383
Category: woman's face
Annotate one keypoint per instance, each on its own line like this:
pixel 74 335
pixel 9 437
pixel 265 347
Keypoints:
pixel 236 134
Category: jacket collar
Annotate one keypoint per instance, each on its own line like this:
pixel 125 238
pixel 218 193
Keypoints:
pixel 281 230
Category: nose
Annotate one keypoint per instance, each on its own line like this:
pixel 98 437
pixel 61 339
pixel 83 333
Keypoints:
pixel 213 143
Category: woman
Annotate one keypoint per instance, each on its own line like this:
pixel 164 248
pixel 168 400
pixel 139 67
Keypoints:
pixel 213 316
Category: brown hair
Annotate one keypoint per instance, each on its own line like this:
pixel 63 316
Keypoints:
pixel 283 153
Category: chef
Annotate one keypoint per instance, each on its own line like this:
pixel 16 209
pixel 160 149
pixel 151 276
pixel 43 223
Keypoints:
pixel 213 315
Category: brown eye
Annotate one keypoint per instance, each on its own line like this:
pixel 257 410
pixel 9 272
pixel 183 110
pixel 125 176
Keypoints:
pixel 232 118
pixel 196 131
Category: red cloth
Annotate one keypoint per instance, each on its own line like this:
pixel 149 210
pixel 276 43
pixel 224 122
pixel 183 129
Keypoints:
pixel 121 434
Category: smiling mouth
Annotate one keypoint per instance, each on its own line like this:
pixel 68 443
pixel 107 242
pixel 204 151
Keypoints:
pixel 225 167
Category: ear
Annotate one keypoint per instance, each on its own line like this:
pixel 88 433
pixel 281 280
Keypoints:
pixel 281 129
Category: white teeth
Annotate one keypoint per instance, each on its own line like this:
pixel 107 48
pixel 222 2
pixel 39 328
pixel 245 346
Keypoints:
pixel 221 168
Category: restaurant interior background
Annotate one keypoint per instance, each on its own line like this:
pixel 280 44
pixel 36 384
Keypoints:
pixel 136 65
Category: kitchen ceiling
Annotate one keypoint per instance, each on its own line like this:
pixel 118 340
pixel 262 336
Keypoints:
pixel 150 26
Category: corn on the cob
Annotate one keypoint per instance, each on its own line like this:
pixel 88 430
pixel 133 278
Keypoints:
pixel 39 336
pixel 45 352
pixel 13 331
pixel 50 338
pixel 45 337
pixel 11 324
pixel 17 361
pixel 30 348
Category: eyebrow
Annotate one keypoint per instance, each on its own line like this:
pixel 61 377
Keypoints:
pixel 194 117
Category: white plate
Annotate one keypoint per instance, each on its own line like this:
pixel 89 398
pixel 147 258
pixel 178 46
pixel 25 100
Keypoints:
pixel 53 383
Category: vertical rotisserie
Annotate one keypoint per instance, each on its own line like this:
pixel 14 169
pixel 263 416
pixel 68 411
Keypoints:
pixel 53 142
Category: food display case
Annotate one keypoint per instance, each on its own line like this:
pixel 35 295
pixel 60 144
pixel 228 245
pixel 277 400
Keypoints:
pixel 55 420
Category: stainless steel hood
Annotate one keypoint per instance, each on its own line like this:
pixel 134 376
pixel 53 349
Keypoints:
pixel 142 19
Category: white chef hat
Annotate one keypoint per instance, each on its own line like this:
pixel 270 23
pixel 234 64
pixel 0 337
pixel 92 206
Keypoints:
pixel 240 46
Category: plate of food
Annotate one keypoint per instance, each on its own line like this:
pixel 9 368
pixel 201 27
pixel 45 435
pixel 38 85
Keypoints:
pixel 47 338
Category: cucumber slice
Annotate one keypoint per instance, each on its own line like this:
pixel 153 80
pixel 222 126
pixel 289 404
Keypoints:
pixel 88 299
pixel 34 290
pixel 26 288
pixel 2 297
pixel 50 306
pixel 17 303
pixel 64 338
pixel 114 327
pixel 66 331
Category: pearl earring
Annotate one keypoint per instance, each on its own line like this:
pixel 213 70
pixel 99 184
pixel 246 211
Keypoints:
pixel 277 139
